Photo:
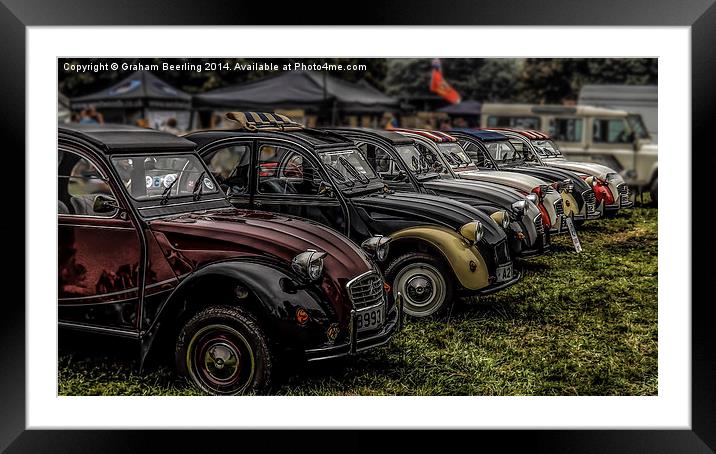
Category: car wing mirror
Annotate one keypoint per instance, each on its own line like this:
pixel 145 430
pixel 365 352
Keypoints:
pixel 104 204
pixel 401 175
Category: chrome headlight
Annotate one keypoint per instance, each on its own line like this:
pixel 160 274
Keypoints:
pixel 533 198
pixel 520 207
pixel 591 181
pixel 309 264
pixel 472 231
pixel 501 218
pixel 377 246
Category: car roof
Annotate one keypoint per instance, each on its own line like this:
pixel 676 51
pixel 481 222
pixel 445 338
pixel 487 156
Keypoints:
pixel 528 133
pixel 114 138
pixel 482 134
pixel 435 136
pixel 390 136
pixel 310 137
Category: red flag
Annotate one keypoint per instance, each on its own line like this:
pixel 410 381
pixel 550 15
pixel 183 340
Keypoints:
pixel 440 86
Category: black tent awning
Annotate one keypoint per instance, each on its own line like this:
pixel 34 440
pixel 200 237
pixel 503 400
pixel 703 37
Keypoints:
pixel 299 90
pixel 138 90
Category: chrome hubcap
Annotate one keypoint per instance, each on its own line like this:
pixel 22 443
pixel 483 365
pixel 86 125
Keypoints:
pixel 221 361
pixel 419 288
pixel 423 287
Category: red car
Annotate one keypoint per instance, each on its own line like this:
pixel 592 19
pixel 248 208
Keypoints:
pixel 150 250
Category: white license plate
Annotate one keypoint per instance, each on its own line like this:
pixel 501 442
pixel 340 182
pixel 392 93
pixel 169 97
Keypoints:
pixel 504 273
pixel 573 234
pixel 371 319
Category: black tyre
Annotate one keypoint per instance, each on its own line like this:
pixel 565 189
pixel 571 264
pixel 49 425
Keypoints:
pixel 425 282
pixel 222 350
pixel 654 190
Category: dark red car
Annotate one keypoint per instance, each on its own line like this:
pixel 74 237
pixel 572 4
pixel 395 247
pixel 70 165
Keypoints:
pixel 150 250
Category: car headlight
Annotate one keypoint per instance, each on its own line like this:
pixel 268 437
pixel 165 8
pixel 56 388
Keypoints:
pixel 501 218
pixel 472 231
pixel 534 198
pixel 377 246
pixel 520 207
pixel 309 264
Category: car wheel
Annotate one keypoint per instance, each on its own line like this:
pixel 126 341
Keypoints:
pixel 424 281
pixel 222 350
pixel 654 189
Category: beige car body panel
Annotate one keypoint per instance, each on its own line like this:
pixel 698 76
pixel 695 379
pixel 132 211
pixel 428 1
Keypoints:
pixel 456 250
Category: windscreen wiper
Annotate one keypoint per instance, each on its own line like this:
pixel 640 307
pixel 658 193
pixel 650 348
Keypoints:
pixel 338 175
pixel 353 171
pixel 198 187
pixel 167 191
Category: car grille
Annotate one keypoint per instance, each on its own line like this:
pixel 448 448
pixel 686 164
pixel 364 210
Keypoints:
pixel 502 253
pixel 623 193
pixel 366 291
pixel 590 200
pixel 559 208
pixel 539 226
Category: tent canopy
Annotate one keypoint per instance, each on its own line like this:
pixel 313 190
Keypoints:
pixel 140 89
pixel 463 108
pixel 299 90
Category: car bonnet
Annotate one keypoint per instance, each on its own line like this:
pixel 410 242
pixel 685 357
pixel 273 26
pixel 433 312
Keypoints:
pixel 222 234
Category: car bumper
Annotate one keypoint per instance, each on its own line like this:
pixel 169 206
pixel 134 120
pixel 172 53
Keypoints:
pixel 357 344
pixel 497 286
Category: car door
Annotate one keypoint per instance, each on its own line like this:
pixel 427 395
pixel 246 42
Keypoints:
pixel 99 253
pixel 392 172
pixel 232 166
pixel 288 180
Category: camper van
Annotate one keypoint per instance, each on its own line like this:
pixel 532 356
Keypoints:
pixel 614 138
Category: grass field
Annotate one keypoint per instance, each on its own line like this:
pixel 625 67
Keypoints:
pixel 577 324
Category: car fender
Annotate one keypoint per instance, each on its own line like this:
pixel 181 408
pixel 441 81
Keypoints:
pixel 277 295
pixel 456 251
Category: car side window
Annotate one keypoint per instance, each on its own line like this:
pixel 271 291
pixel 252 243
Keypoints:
pixel 475 153
pixel 566 129
pixel 380 159
pixel 79 183
pixel 610 131
pixel 286 171
pixel 433 162
pixel 231 167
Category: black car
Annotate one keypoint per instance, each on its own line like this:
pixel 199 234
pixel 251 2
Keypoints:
pixel 403 168
pixel 493 150
pixel 437 246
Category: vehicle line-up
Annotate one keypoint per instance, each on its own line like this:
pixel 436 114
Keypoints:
pixel 230 249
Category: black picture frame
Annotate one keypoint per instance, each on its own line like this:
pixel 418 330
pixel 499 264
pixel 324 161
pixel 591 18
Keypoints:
pixel 700 15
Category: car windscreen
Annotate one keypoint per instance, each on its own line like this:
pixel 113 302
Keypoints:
pixel 457 157
pixel 416 161
pixel 502 151
pixel 546 148
pixel 164 177
pixel 348 167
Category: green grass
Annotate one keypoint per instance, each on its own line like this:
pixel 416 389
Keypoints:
pixel 577 324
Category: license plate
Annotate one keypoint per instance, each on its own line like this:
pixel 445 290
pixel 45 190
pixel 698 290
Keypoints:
pixel 504 273
pixel 573 234
pixel 370 319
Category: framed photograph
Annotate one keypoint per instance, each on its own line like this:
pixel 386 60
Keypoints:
pixel 389 223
